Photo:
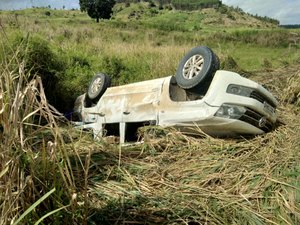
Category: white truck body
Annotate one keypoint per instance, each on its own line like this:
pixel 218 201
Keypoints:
pixel 233 105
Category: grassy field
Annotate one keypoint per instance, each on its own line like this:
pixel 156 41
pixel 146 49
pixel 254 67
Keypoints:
pixel 53 174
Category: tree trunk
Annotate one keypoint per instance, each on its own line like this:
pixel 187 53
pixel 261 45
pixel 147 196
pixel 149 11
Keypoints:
pixel 97 19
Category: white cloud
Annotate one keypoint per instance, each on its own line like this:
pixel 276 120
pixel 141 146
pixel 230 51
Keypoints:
pixel 286 11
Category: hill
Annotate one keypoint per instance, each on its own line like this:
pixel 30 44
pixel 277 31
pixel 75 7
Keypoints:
pixel 212 14
pixel 219 17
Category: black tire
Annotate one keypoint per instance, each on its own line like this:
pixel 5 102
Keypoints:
pixel 197 68
pixel 98 85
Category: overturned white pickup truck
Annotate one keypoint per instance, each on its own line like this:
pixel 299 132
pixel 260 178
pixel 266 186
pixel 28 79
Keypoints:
pixel 220 103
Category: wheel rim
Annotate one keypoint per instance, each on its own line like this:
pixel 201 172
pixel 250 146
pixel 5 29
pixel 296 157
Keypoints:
pixel 96 86
pixel 193 67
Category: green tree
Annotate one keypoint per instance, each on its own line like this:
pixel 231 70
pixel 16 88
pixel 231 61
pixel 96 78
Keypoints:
pixel 97 9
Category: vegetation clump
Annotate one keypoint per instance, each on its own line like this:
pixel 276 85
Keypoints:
pixel 41 59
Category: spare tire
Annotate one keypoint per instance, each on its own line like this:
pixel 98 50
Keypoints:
pixel 98 85
pixel 197 68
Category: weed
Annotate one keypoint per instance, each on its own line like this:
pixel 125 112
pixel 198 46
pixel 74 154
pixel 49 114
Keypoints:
pixel 67 33
pixel 48 13
pixel 40 60
pixel 267 64
pixel 230 64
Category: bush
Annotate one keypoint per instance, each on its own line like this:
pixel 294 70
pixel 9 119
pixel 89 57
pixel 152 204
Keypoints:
pixel 223 9
pixel 151 4
pixel 267 64
pixel 230 16
pixel 168 7
pixel 40 59
pixel 113 66
pixel 229 63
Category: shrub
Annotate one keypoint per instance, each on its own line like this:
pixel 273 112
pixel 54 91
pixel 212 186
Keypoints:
pixel 79 61
pixel 229 63
pixel 113 66
pixel 73 83
pixel 267 64
pixel 223 9
pixel 168 7
pixel 151 4
pixel 153 12
pixel 230 16
pixel 40 59
pixel 67 33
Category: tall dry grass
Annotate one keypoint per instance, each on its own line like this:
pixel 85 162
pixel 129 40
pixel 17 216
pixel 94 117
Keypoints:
pixel 177 179
pixel 37 183
pixel 173 178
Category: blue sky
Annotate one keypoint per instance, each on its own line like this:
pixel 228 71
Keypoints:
pixel 286 11
pixel 21 4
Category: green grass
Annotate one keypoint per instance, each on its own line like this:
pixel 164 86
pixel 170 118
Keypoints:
pixel 256 56
pixel 171 21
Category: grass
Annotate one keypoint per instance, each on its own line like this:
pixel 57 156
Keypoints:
pixel 171 21
pixel 171 178
pixel 176 179
pixel 24 155
pixel 194 4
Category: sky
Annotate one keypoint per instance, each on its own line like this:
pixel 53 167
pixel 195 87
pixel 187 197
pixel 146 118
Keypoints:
pixel 21 4
pixel 286 11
